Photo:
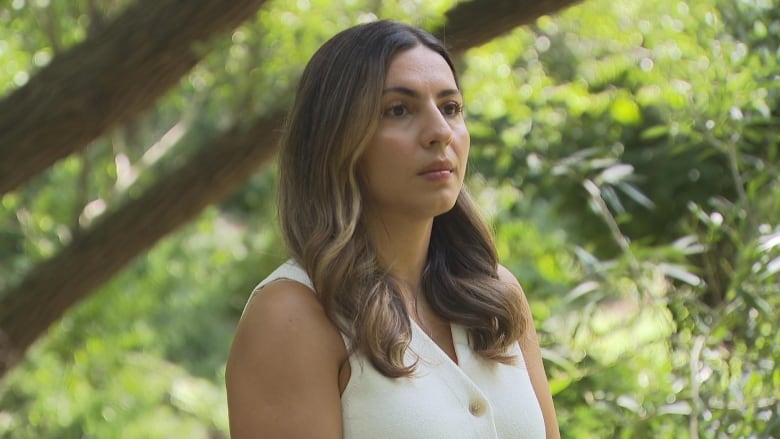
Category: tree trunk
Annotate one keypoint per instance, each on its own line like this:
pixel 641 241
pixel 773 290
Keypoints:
pixel 108 78
pixel 222 166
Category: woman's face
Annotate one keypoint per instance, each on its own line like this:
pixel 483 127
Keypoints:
pixel 416 160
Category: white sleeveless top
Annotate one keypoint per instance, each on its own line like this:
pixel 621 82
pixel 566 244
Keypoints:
pixel 473 399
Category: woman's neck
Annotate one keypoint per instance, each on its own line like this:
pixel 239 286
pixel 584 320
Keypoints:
pixel 401 245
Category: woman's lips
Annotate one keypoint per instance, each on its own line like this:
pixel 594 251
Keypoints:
pixel 437 174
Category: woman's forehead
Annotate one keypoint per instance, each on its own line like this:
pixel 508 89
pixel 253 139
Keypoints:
pixel 419 65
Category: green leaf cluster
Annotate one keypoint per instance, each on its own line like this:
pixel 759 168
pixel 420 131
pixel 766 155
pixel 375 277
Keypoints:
pixel 629 158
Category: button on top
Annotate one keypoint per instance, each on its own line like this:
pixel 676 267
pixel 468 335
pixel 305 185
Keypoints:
pixel 477 407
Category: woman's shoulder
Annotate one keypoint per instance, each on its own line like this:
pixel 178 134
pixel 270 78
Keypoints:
pixel 288 309
pixel 284 347
pixel 285 321
pixel 282 298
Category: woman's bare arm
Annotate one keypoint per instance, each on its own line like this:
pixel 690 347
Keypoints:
pixel 533 359
pixel 282 373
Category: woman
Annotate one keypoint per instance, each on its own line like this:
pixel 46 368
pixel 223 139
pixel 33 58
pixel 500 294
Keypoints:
pixel 393 318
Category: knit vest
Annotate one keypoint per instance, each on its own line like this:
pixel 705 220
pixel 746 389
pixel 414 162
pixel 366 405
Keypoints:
pixel 474 398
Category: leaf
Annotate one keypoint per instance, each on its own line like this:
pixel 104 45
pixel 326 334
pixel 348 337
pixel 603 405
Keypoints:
pixel 559 384
pixel 675 408
pixel 636 195
pixel 654 132
pixel 616 173
pixel 625 111
pixel 680 273
pixel 769 242
pixel 689 245
pixel 582 289
pixel 773 267
pixel 629 403
pixel 613 200
pixel 587 259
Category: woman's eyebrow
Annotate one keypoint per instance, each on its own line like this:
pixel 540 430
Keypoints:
pixel 414 94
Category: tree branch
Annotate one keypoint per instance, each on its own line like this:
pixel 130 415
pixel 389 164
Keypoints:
pixel 107 79
pixel 93 257
pixel 474 23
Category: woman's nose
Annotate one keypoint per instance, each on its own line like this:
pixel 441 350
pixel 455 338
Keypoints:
pixel 437 130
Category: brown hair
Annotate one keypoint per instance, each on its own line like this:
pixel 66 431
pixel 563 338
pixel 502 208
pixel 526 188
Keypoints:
pixel 336 111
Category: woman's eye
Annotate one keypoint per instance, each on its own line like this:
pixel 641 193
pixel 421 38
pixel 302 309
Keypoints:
pixel 451 109
pixel 397 110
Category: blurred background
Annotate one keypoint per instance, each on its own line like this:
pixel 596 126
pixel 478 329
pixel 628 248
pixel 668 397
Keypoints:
pixel 625 153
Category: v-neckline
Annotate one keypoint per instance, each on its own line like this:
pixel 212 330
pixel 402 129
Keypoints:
pixel 452 371
pixel 457 360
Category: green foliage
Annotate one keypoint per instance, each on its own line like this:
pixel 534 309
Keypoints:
pixel 626 154
pixel 642 147
pixel 145 357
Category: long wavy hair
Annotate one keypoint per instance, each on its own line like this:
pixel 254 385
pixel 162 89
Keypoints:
pixel 335 114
